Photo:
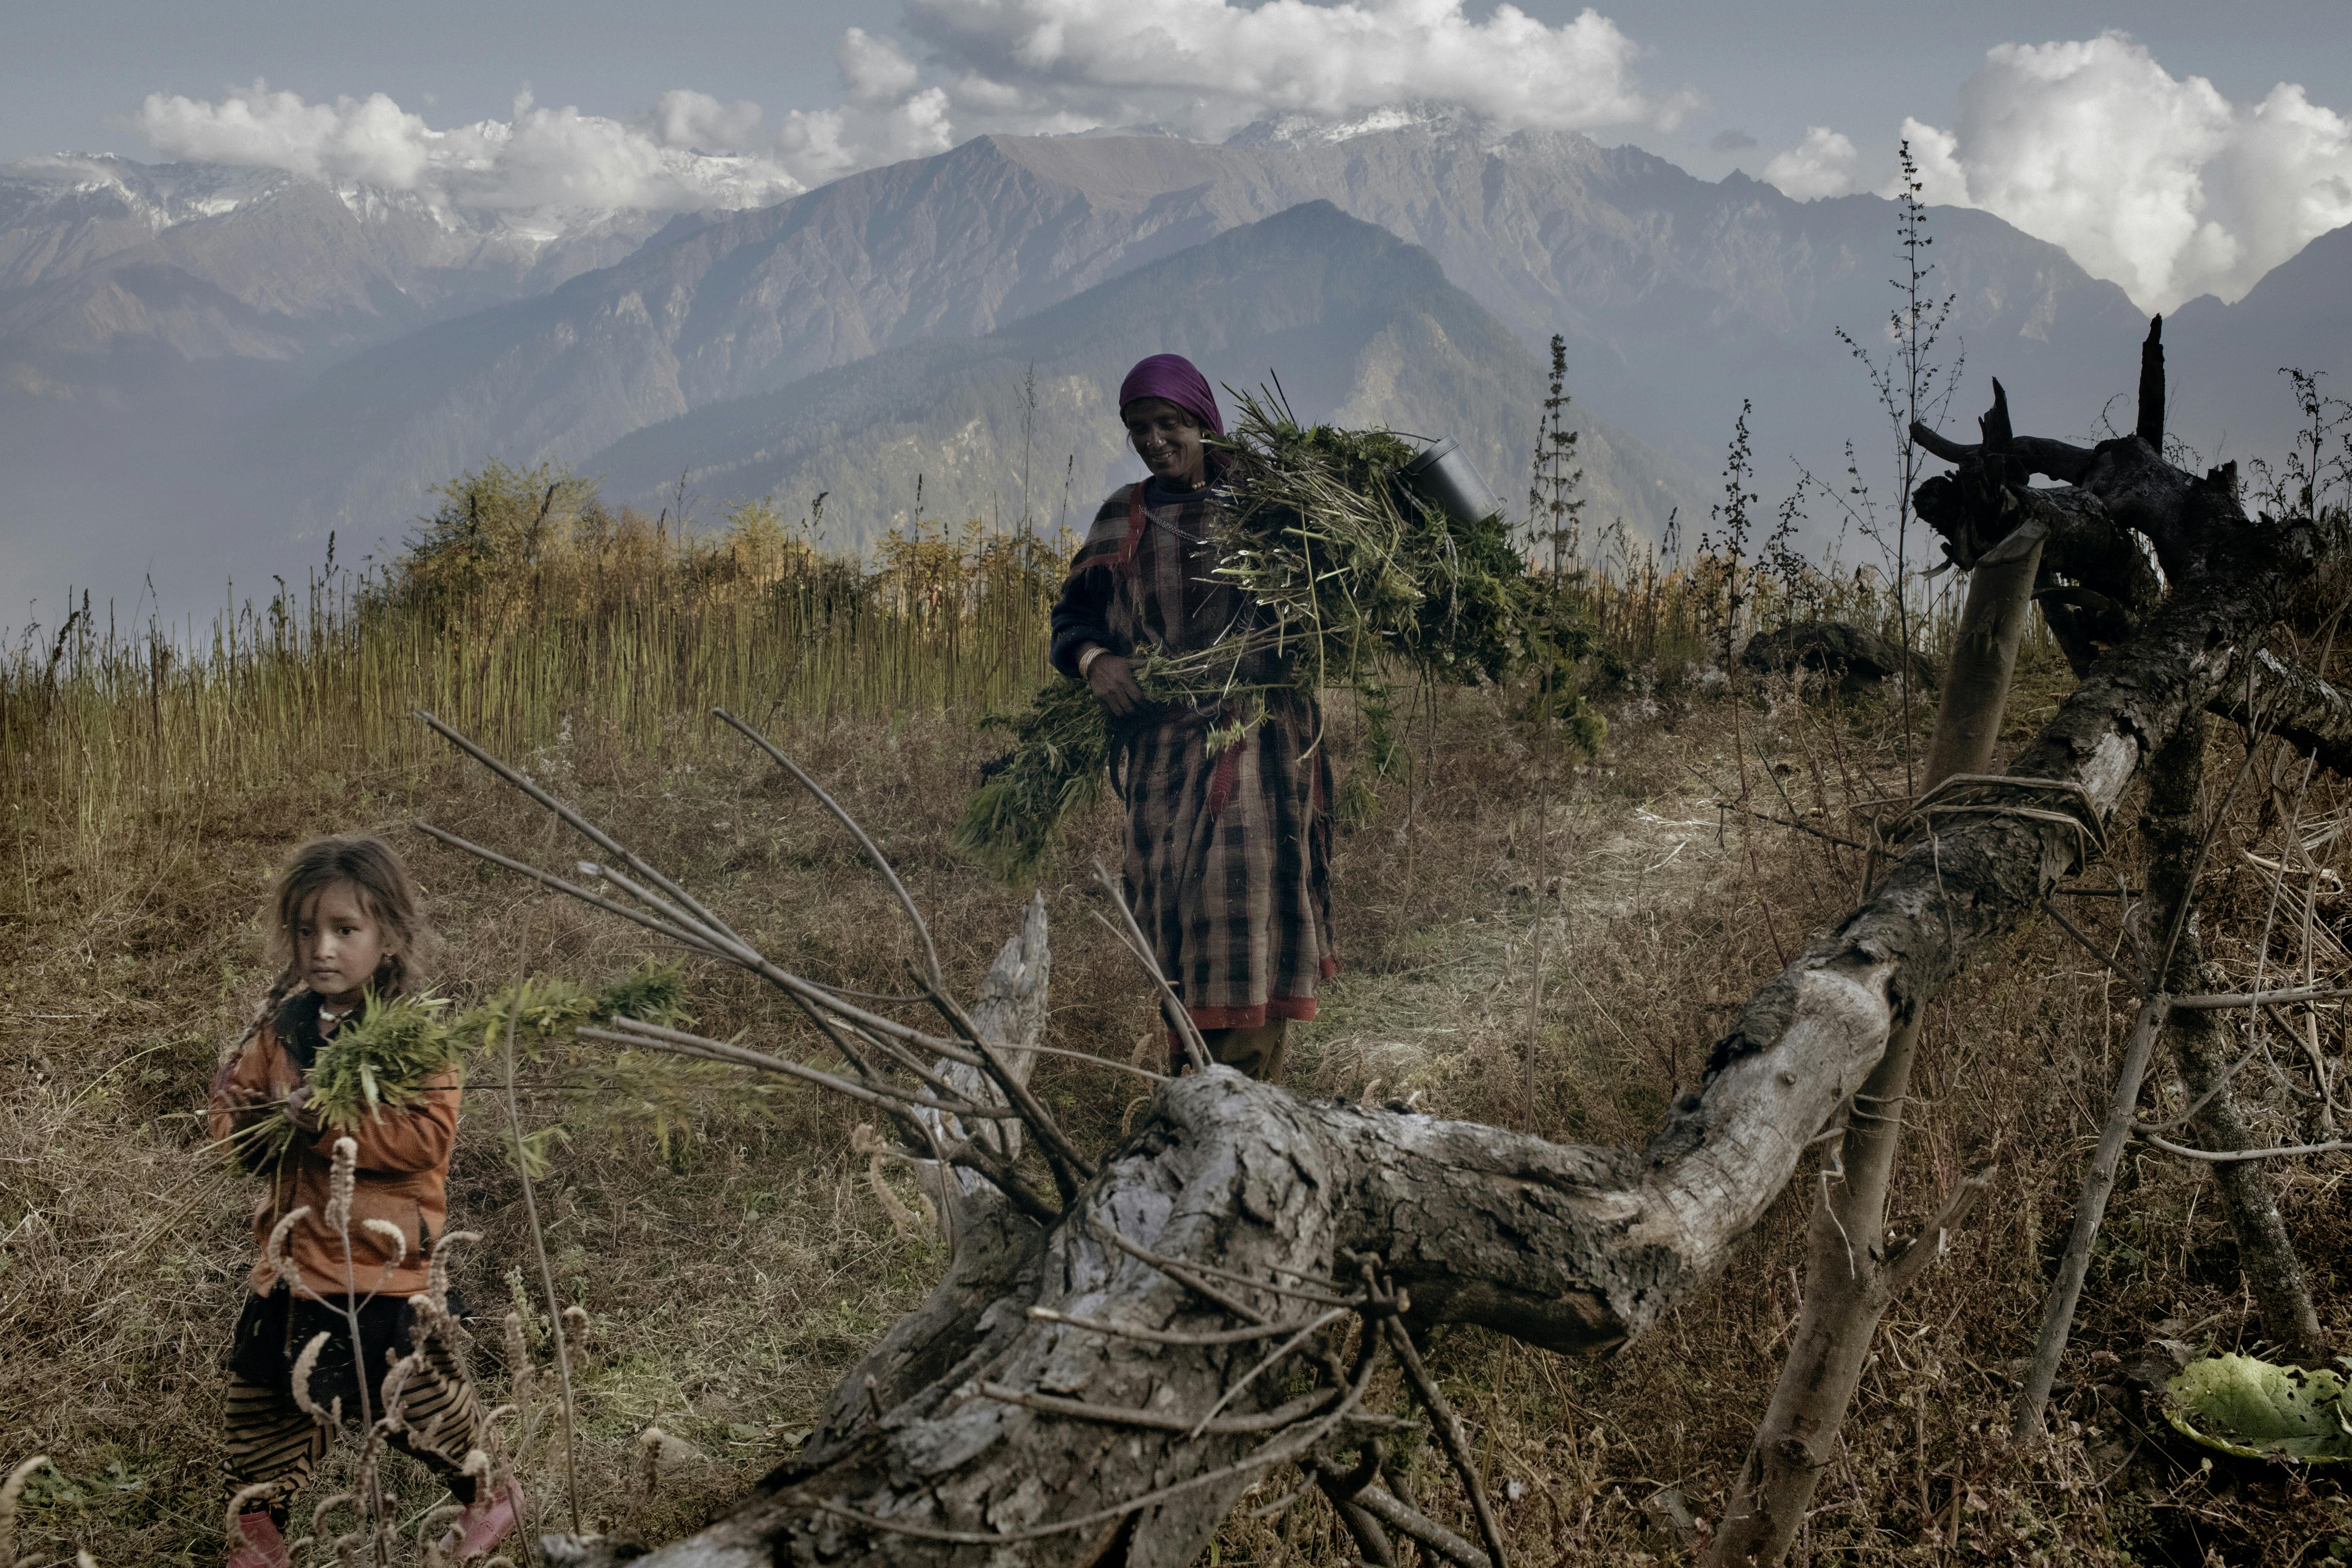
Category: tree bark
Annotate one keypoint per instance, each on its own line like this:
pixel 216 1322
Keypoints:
pixel 2266 1255
pixel 2095 587
pixel 2149 427
pixel 1563 1247
pixel 2268 692
pixel 2273 1273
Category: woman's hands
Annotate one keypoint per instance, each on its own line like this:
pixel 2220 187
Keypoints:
pixel 1112 681
pixel 300 1107
pixel 302 1110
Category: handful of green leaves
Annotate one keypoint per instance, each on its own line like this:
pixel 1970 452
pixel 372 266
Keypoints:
pixel 1348 574
pixel 384 1058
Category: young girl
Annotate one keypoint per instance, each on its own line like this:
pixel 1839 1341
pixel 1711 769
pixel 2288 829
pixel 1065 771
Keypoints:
pixel 345 926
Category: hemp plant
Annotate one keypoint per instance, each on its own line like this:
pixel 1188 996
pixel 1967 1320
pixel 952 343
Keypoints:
pixel 2315 475
pixel 1554 509
pixel 1912 386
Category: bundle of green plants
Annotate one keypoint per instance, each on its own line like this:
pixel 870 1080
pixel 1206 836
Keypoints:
pixel 1347 568
pixel 548 1005
pixel 1348 576
pixel 384 1057
pixel 1061 755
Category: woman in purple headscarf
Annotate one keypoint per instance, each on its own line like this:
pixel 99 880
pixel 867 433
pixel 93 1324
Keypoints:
pixel 1228 857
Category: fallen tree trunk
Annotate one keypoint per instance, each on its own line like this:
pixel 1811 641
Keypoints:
pixel 1068 1394
pixel 1852 1272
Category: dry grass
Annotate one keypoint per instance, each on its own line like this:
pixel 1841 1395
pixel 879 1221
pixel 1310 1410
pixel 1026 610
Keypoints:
pixel 1527 943
pixel 1574 1014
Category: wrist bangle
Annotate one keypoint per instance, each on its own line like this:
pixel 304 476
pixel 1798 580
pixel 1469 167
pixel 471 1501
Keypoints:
pixel 1087 659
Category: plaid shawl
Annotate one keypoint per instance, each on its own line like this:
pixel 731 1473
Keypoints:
pixel 1228 857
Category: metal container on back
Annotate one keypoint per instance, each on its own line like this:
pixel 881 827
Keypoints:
pixel 1445 478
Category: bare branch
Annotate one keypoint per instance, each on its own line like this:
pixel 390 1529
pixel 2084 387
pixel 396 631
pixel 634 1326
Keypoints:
pixel 1272 1358
pixel 2224 1000
pixel 717 940
pixel 1905 1263
pixel 1110 1061
pixel 881 863
pixel 660 927
pixel 579 824
pixel 637 1031
pixel 1162 1336
pixel 1184 1274
pixel 1071 1169
pixel 2074 930
pixel 1384 1506
pixel 1182 1266
pixel 1450 1435
pixel 1273 1420
pixel 2231 1157
pixel 1196 1048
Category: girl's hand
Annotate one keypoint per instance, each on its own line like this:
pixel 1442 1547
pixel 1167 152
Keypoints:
pixel 1112 681
pixel 300 1111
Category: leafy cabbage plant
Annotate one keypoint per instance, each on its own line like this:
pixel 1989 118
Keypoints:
pixel 2260 1410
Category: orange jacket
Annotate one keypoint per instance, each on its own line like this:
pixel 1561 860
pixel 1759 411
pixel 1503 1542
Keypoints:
pixel 402 1178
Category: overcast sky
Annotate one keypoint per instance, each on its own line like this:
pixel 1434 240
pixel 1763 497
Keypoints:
pixel 2174 148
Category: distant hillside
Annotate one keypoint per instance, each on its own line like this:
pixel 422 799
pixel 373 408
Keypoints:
pixel 2228 397
pixel 1679 297
pixel 1358 325
pixel 148 312
pixel 203 371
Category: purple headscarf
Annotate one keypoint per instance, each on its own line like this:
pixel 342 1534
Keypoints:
pixel 1174 378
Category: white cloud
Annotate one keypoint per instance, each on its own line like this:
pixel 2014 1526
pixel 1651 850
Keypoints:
pixel 1208 66
pixel 820 144
pixel 542 157
pixel 1822 164
pixel 886 118
pixel 683 117
pixel 371 138
pixel 876 75
pixel 1202 66
pixel 691 149
pixel 2161 184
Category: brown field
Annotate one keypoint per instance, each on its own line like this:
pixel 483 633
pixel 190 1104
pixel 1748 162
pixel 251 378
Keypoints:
pixel 1529 941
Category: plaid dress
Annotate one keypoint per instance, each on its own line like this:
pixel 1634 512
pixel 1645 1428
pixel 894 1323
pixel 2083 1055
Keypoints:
pixel 1228 857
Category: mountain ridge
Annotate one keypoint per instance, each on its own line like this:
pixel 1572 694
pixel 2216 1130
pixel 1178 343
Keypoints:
pixel 318 261
pixel 172 389
pixel 1677 297
pixel 1362 328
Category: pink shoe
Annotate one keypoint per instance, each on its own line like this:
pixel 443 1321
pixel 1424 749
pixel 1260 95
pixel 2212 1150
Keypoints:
pixel 484 1523
pixel 264 1547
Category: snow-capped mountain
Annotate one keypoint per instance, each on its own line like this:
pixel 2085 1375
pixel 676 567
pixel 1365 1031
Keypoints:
pixel 102 255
